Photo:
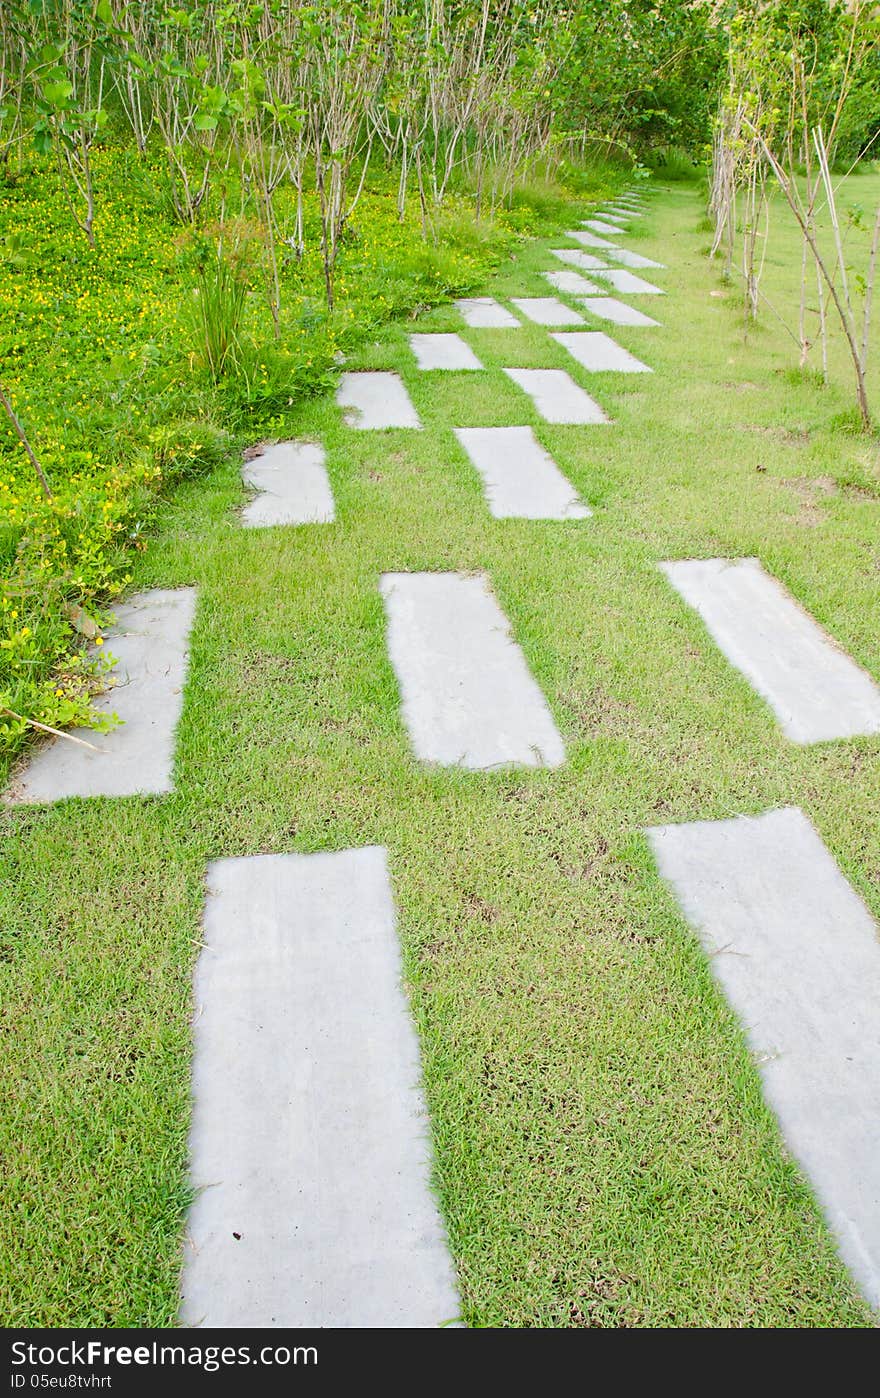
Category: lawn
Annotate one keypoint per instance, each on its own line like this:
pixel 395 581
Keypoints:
pixel 107 364
pixel 603 1154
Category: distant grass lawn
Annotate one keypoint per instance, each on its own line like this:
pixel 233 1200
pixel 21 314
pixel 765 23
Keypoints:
pixel 603 1154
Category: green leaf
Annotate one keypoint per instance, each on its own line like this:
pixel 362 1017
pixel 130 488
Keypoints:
pixel 58 93
pixel 205 122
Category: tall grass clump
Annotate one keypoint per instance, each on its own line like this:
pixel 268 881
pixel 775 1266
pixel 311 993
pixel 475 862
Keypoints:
pixel 221 298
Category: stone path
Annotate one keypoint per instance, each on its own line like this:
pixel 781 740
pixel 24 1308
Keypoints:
pixel 310 1148
pixel 521 479
pixel 589 240
pixel 796 953
pixel 599 354
pixel 292 486
pixel 556 396
pixel 468 697
pixel 599 225
pixel 483 313
pixel 572 283
pixel 583 260
pixel 634 259
pixel 372 401
pixel 618 312
pixel 546 310
pixel 628 284
pixel 443 352
pixel 150 642
pixel 309 1144
pixel 815 690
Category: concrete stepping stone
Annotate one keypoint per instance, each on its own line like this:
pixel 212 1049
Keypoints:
pixel 583 260
pixel 443 352
pixel 618 312
pixel 468 697
pixel 546 310
pixel 521 479
pixel 598 225
pixel 308 1145
pixel 629 284
pixel 556 396
pixel 373 400
pixel 634 259
pixel 482 313
pixel 600 354
pixel 571 283
pixel 589 240
pixel 816 691
pixel 292 484
pixel 623 211
pixel 797 954
pixel 620 221
pixel 150 642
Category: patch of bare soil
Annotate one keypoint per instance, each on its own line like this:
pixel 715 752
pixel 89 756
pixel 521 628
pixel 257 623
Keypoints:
pixel 811 487
pixel 251 453
pixel 861 492
pixel 791 436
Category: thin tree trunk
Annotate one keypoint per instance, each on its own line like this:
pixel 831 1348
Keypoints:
pixel 22 437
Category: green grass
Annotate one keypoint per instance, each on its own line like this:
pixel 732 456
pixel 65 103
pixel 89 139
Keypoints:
pixel 603 1154
pixel 131 363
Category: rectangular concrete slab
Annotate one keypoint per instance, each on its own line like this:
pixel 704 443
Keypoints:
pixel 598 225
pixel 546 310
pixel 600 354
pixel 589 240
pixel 468 697
pixel 628 284
pixel 815 690
pixel 443 352
pixel 572 283
pixel 309 1148
pixel 149 640
pixel 797 954
pixel 585 261
pixel 522 480
pixel 483 313
pixel 292 484
pixel 622 213
pixel 372 400
pixel 618 312
pixel 634 259
pixel 615 218
pixel 556 396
